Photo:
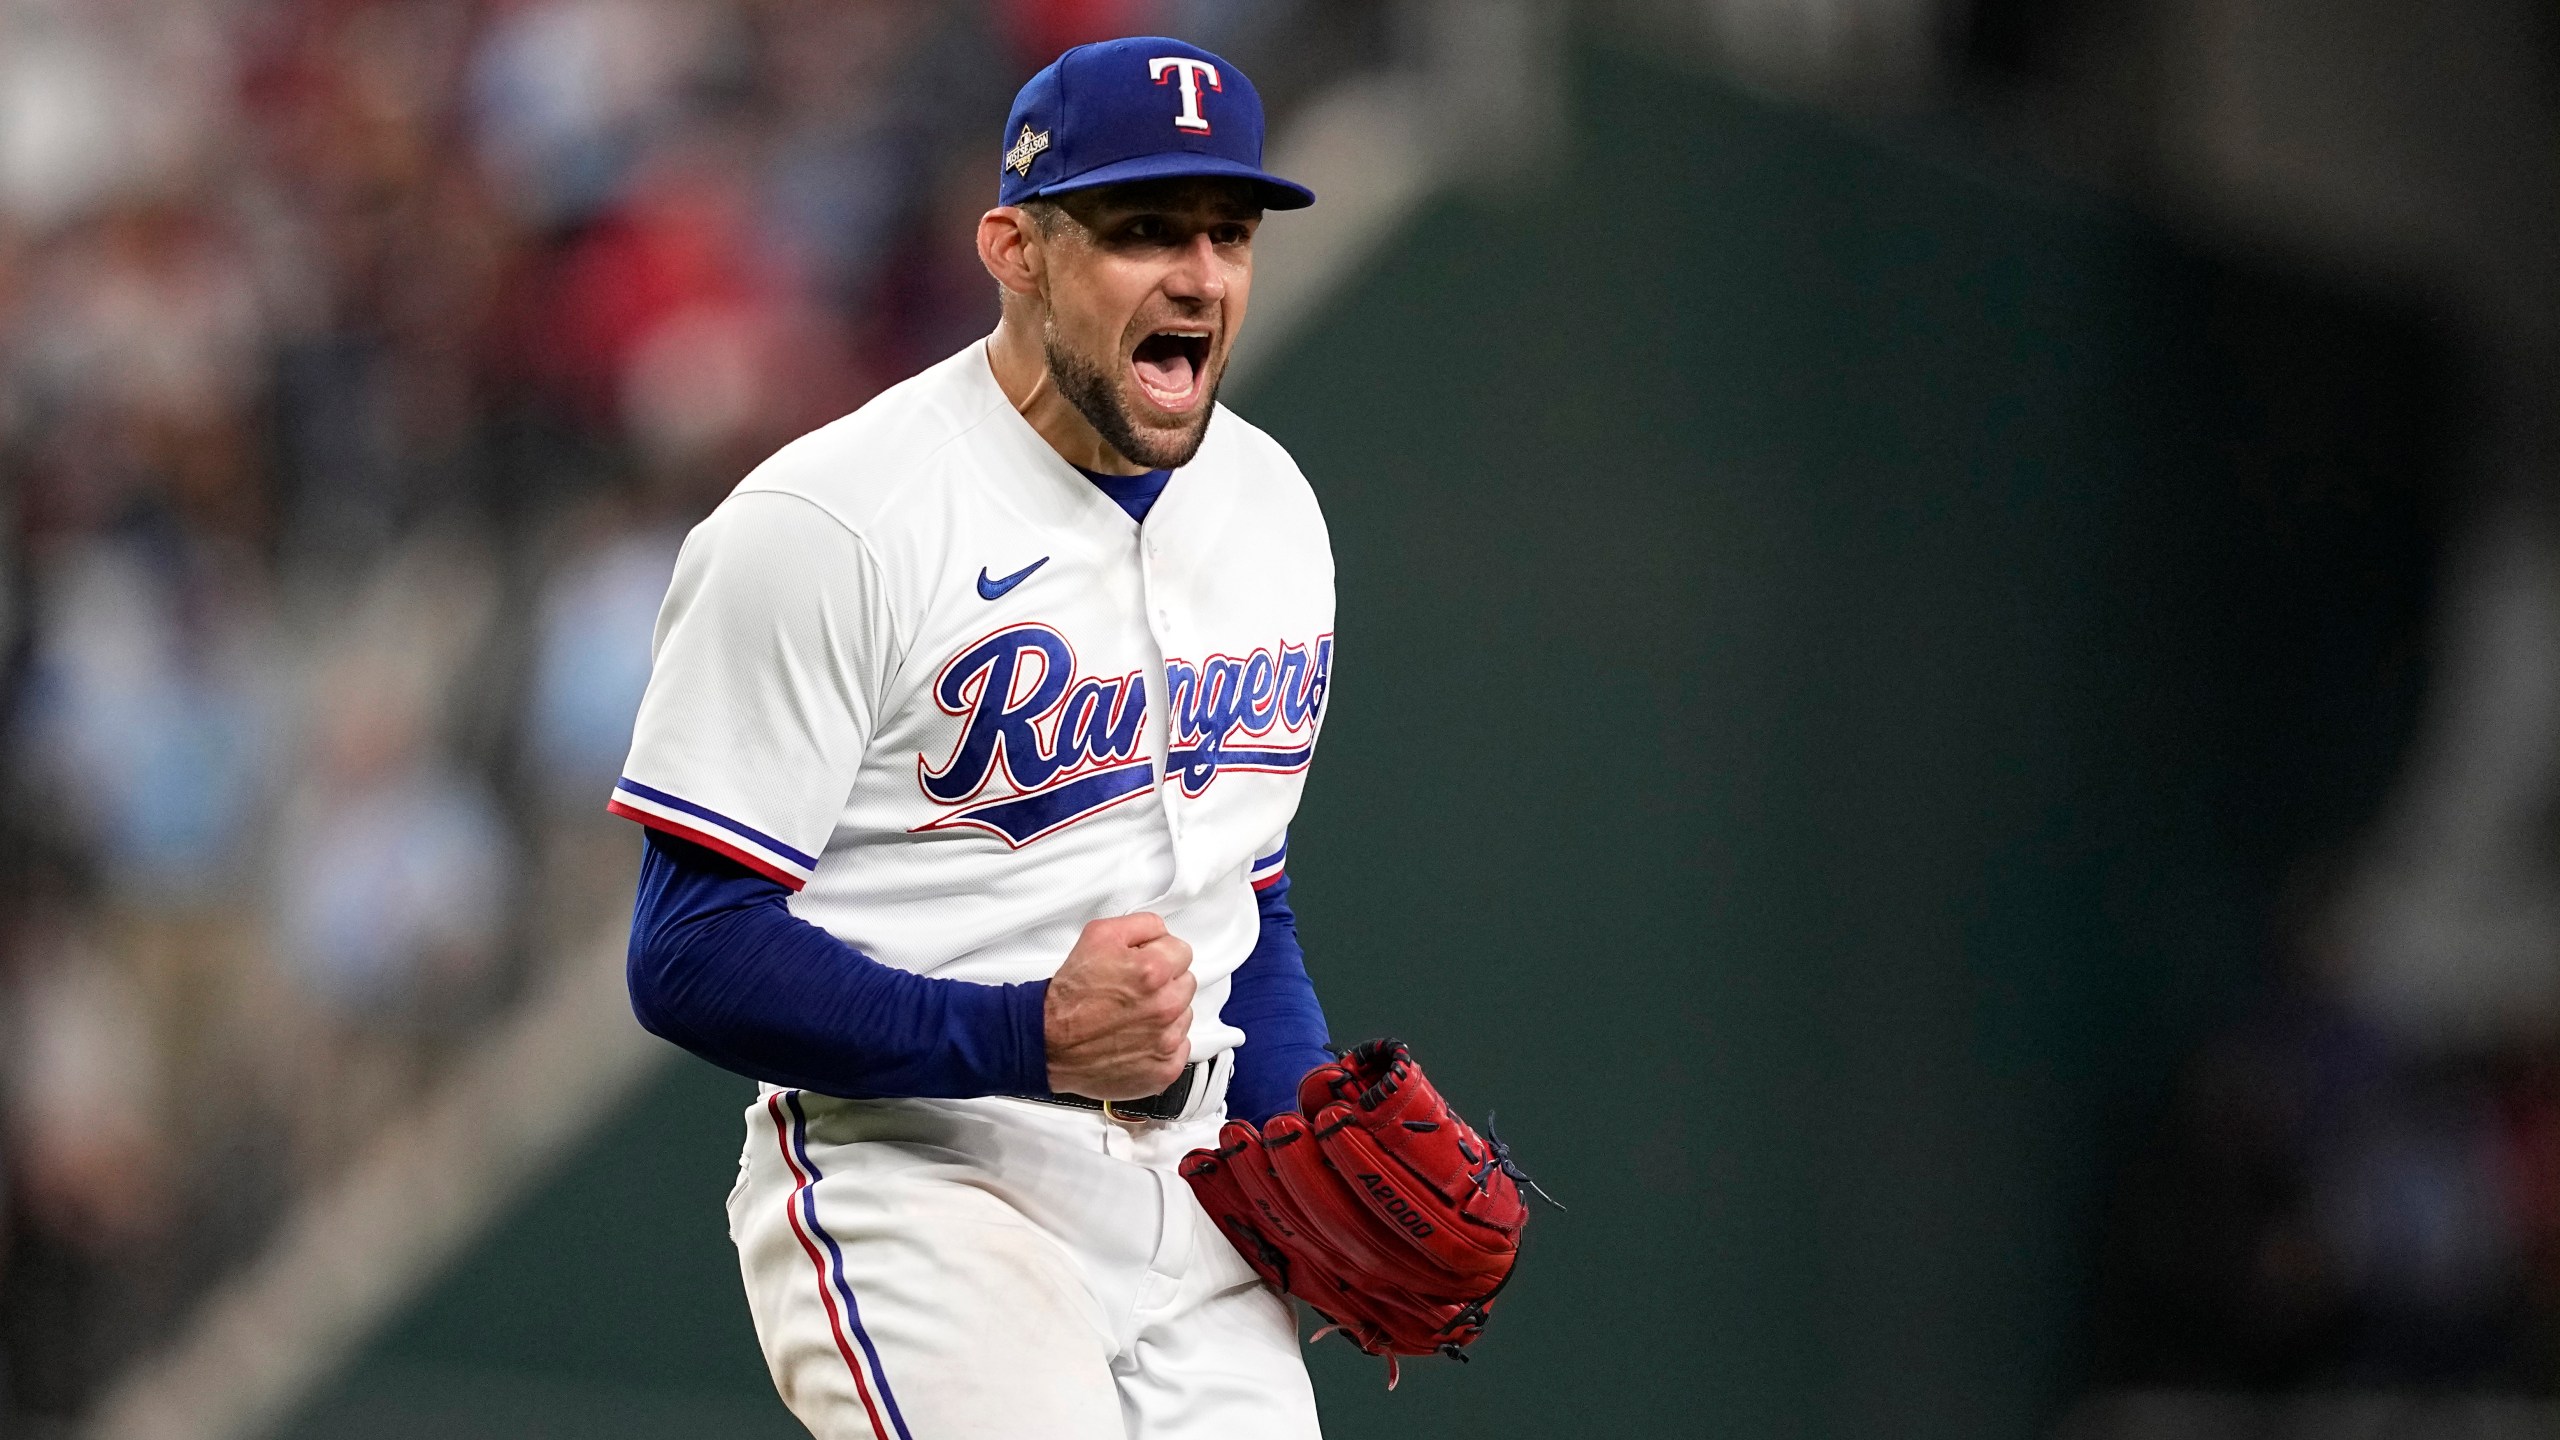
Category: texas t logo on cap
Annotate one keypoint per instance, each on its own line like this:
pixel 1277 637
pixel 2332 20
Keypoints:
pixel 1144 108
pixel 1192 73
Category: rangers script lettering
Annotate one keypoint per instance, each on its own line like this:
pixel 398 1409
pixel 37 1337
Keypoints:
pixel 1255 695
pixel 1065 748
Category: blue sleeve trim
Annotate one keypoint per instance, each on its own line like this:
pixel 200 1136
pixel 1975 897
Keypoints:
pixel 720 966
pixel 1273 1001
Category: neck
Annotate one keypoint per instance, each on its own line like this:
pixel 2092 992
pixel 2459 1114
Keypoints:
pixel 1021 366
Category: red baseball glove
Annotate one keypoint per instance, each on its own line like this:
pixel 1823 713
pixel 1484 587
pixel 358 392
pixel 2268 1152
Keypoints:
pixel 1375 1204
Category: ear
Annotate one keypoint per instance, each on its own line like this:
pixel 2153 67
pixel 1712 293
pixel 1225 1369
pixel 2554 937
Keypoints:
pixel 1009 246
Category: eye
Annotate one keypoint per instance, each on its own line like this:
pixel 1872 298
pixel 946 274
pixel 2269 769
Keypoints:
pixel 1230 233
pixel 1148 230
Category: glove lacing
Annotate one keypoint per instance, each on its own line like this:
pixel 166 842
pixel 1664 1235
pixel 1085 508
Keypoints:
pixel 1500 1159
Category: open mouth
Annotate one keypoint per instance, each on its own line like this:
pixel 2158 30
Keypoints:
pixel 1170 364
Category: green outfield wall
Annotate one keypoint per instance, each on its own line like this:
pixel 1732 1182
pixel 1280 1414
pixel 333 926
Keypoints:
pixel 1840 648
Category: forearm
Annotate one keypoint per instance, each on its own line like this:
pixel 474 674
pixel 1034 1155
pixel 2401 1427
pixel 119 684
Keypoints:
pixel 720 966
pixel 1273 1001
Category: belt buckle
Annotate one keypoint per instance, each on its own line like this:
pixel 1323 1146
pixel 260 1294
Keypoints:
pixel 1193 1075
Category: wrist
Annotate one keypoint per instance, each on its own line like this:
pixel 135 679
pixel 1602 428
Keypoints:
pixel 1027 1011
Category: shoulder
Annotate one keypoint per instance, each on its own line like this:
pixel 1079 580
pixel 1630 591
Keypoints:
pixel 766 534
pixel 1263 465
pixel 1281 499
pixel 1234 440
pixel 862 468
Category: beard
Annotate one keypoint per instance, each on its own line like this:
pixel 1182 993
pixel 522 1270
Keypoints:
pixel 1106 407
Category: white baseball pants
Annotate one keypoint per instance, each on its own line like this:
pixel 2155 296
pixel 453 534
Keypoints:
pixel 1003 1270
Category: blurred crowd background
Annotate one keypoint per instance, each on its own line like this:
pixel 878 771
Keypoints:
pixel 362 363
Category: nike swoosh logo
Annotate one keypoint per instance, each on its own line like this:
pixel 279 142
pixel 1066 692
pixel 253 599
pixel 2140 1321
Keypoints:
pixel 997 589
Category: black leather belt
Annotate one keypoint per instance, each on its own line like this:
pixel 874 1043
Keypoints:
pixel 1165 1104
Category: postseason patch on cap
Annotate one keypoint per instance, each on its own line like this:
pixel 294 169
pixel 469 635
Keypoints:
pixel 1144 108
pixel 1025 150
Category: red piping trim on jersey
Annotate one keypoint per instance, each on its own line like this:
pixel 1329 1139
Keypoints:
pixel 809 1247
pixel 707 841
pixel 1267 881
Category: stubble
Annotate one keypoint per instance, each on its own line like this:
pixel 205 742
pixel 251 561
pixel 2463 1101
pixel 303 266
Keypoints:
pixel 1105 406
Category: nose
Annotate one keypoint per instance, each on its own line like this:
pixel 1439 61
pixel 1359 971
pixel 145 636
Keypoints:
pixel 1196 273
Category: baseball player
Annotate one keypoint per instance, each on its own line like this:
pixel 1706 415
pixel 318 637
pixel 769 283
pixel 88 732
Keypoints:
pixel 975 725
pixel 974 728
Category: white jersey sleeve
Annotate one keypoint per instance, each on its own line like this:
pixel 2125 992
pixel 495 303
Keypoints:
pixel 764 685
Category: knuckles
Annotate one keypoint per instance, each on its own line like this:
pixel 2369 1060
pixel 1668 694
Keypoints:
pixel 1163 965
pixel 1120 931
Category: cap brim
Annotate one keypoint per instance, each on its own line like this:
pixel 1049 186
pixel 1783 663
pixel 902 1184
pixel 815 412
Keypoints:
pixel 1277 194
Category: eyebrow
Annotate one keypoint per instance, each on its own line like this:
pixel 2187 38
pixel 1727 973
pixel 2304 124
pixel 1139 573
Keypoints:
pixel 1114 214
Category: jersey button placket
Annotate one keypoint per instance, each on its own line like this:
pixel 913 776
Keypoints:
pixel 1160 624
pixel 1157 609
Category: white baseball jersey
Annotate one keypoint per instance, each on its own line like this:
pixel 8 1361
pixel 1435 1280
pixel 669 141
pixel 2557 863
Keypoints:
pixel 923 672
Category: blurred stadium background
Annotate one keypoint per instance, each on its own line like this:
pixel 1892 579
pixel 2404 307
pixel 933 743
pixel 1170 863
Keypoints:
pixel 1951 665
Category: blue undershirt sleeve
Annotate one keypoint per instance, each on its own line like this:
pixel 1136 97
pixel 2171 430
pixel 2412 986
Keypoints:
pixel 1273 1002
pixel 720 966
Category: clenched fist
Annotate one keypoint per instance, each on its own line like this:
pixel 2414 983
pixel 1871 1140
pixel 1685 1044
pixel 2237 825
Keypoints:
pixel 1118 1016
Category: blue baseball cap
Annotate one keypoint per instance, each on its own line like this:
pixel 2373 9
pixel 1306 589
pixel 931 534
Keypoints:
pixel 1144 108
